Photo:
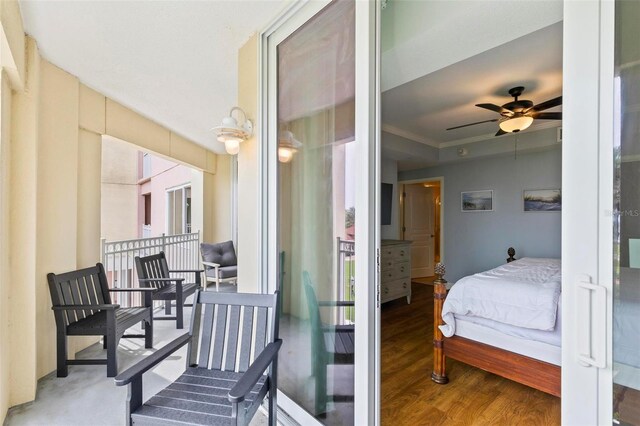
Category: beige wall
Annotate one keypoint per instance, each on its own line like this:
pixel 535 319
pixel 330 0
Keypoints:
pixel 211 198
pixel 119 189
pixel 5 300
pixel 50 159
pixel 248 172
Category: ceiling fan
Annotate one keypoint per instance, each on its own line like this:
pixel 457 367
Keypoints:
pixel 518 115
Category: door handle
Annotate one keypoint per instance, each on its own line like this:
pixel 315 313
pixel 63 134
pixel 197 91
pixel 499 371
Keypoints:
pixel 592 321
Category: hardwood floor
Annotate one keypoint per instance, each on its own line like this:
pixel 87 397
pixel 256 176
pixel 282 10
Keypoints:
pixel 472 397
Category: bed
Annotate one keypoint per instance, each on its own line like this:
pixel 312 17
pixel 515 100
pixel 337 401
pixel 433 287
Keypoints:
pixel 506 321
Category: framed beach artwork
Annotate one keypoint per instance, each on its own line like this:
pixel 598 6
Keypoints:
pixel 542 200
pixel 477 201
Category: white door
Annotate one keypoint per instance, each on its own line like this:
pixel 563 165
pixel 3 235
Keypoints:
pixel 601 214
pixel 321 189
pixel 419 228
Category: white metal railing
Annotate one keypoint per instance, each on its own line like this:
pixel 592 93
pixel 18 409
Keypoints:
pixel 146 231
pixel 182 252
pixel 346 277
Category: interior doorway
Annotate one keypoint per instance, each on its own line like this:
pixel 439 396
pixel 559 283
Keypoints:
pixel 421 223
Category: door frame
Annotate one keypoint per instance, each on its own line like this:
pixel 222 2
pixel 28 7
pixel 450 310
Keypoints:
pixel 442 218
pixel 587 226
pixel 367 126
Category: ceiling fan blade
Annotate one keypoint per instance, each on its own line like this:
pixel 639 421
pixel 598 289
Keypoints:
pixel 546 105
pixel 501 132
pixel 473 124
pixel 495 108
pixel 547 115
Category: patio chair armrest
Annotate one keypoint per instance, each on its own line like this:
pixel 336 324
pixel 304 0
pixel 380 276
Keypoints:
pixel 338 303
pixel 146 289
pixel 255 371
pixel 213 265
pixel 151 361
pixel 146 280
pixel 197 271
pixel 105 307
pixel 338 328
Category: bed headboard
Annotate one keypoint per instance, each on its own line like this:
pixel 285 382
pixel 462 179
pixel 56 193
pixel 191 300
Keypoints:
pixel 511 252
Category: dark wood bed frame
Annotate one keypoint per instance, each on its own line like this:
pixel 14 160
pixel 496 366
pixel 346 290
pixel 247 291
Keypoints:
pixel 519 368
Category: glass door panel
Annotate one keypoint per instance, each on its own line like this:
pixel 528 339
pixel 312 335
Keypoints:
pixel 316 213
pixel 626 255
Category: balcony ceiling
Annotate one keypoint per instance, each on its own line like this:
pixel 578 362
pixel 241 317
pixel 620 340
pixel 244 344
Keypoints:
pixel 173 61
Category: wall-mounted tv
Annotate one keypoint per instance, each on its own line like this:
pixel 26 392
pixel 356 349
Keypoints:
pixel 386 201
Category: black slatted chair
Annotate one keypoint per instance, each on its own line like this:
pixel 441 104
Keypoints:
pixel 330 345
pixel 82 307
pixel 153 272
pixel 231 365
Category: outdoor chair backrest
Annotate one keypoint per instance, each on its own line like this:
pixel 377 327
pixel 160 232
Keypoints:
pixel 233 331
pixel 314 314
pixel 86 286
pixel 153 266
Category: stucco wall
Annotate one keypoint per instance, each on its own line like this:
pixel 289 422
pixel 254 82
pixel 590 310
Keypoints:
pixel 248 173
pixel 119 189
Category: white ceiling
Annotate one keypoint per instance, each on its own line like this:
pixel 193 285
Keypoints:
pixel 173 61
pixel 424 108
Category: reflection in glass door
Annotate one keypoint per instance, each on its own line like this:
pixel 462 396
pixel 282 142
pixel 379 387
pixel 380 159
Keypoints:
pixel 316 213
pixel 626 256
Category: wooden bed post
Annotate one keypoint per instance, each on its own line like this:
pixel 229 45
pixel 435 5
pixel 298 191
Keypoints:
pixel 439 374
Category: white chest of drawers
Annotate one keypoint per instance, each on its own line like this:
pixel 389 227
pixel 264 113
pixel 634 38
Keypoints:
pixel 395 270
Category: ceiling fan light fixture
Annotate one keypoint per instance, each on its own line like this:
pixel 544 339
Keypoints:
pixel 516 124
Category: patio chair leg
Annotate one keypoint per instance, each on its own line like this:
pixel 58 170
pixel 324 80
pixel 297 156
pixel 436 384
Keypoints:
pixel 63 369
pixel 167 307
pixel 148 333
pixel 179 315
pixel 104 342
pixel 112 360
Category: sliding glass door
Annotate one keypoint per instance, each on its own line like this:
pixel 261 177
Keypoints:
pixel 321 172
pixel 601 213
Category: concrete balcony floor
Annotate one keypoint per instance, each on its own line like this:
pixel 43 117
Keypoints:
pixel 88 397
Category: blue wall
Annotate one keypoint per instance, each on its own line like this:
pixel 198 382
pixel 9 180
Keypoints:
pixel 477 241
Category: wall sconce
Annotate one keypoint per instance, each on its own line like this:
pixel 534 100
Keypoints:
pixel 231 133
pixel 287 146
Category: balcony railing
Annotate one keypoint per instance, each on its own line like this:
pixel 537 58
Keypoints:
pixel 346 277
pixel 182 252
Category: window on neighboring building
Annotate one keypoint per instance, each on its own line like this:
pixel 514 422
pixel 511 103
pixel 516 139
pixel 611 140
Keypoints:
pixel 147 209
pixel 179 210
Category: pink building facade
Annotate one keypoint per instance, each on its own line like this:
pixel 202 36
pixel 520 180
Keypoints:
pixel 164 197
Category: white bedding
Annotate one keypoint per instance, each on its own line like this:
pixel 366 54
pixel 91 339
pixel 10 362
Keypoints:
pixel 524 293
pixel 553 337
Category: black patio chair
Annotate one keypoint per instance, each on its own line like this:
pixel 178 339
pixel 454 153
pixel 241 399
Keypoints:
pixel 223 384
pixel 82 307
pixel 153 272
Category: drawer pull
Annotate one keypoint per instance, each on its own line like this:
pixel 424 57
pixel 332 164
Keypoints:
pixel 401 252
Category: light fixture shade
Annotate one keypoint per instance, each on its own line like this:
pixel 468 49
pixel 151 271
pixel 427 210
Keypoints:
pixel 232 146
pixel 231 133
pixel 516 124
pixel 285 154
pixel 287 146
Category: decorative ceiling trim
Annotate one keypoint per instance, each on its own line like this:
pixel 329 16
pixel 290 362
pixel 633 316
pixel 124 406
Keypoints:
pixel 482 138
pixel 409 135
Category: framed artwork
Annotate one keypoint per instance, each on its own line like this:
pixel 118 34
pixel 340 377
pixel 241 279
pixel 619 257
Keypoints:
pixel 542 200
pixel 477 201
